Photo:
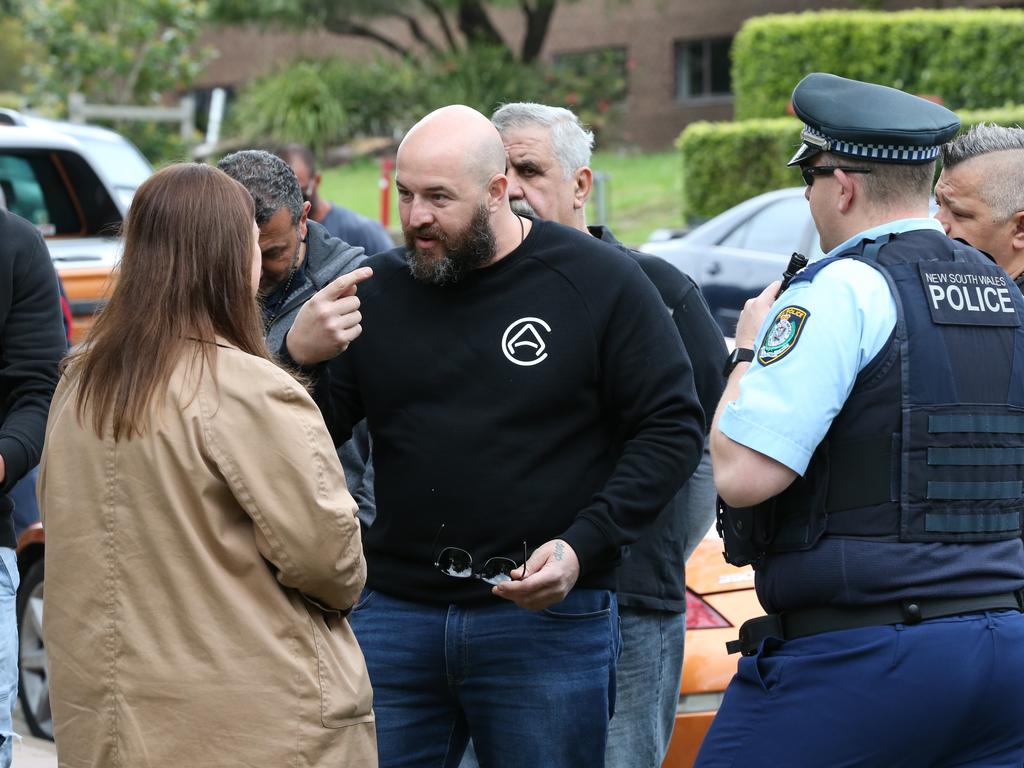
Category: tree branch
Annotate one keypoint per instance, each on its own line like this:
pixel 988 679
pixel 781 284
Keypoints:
pixel 434 7
pixel 538 19
pixel 476 25
pixel 356 29
pixel 417 32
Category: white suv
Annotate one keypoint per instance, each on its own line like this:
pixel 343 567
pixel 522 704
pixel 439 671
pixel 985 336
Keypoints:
pixel 75 185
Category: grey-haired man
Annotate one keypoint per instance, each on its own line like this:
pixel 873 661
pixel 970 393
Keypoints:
pixel 980 195
pixel 549 176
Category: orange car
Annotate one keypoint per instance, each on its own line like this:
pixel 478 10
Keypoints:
pixel 719 597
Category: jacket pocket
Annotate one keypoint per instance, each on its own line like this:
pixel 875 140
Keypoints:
pixel 346 697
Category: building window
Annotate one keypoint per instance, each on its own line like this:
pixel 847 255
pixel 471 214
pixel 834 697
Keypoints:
pixel 605 71
pixel 702 68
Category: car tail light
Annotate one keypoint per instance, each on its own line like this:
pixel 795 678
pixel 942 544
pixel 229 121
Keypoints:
pixel 700 615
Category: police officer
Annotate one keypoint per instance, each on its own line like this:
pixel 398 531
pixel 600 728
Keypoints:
pixel 870 448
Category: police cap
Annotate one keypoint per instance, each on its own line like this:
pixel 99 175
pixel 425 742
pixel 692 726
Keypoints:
pixel 868 121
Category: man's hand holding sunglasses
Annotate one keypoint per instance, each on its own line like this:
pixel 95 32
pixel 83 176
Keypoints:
pixel 551 572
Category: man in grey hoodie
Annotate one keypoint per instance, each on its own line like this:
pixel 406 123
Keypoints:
pixel 299 259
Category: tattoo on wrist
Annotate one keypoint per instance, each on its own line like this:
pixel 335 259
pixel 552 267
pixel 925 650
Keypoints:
pixel 559 550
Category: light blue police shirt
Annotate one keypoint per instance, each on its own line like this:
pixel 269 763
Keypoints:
pixel 786 407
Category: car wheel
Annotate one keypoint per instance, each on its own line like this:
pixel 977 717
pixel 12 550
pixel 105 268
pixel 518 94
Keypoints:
pixel 33 670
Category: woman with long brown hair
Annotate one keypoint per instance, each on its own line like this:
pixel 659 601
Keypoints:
pixel 201 546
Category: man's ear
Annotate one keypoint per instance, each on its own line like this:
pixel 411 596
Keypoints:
pixel 316 182
pixel 497 190
pixel 583 183
pixel 1017 236
pixel 848 191
pixel 303 219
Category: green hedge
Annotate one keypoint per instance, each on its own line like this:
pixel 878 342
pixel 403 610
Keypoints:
pixel 968 58
pixel 727 163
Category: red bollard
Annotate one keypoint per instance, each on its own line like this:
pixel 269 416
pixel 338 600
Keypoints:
pixel 387 165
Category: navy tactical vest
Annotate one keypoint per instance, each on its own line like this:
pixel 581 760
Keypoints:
pixel 919 483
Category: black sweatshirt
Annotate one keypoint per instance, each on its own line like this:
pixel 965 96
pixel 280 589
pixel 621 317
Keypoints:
pixel 653 575
pixel 32 341
pixel 546 396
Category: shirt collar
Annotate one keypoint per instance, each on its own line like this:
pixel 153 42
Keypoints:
pixel 889 228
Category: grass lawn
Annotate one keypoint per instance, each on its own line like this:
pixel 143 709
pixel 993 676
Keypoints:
pixel 644 192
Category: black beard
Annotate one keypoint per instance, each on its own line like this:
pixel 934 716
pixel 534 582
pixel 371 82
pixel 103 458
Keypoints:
pixel 463 252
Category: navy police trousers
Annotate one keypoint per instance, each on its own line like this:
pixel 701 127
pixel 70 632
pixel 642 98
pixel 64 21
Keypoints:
pixel 945 692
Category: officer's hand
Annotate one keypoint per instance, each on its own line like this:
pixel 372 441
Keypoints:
pixel 329 321
pixel 753 315
pixel 551 572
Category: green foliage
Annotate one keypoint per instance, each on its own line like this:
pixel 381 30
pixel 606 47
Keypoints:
pixel 14 51
pixel 594 84
pixel 294 104
pixel 378 98
pixel 113 51
pixel 332 101
pixel 727 163
pixel 968 58
pixel 481 77
pixel 161 143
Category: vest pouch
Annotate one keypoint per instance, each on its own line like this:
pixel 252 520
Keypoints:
pixel 963 474
pixel 744 531
pixel 799 518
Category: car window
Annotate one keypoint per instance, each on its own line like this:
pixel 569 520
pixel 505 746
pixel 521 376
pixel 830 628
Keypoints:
pixel 34 189
pixel 779 227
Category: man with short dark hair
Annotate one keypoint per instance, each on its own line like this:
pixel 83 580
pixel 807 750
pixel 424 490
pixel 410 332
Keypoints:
pixel 868 448
pixel 300 260
pixel 529 399
pixel 981 195
pixel 549 176
pixel 340 222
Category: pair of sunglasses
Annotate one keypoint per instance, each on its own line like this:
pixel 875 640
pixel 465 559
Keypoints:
pixel 810 171
pixel 458 563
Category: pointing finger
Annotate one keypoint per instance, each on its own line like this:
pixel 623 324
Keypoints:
pixel 345 285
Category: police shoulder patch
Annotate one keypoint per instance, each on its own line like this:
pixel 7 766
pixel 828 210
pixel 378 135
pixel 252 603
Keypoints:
pixel 782 335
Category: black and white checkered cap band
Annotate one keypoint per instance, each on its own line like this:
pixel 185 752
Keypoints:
pixel 884 152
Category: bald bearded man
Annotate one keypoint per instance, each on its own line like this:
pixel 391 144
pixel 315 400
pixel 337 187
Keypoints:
pixel 528 399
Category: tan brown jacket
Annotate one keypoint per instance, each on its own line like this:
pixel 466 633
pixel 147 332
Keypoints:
pixel 181 570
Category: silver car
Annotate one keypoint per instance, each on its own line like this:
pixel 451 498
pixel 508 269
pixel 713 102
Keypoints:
pixel 736 254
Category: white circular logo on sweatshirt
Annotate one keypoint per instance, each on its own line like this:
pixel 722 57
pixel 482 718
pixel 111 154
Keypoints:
pixel 523 343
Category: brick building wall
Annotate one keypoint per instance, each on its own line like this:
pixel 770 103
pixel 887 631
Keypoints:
pixel 650 32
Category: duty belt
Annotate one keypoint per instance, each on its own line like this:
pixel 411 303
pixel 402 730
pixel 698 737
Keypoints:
pixel 793 624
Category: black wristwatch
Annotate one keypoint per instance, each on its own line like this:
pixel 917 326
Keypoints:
pixel 738 355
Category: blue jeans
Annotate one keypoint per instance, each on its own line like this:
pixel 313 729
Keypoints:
pixel 647 687
pixel 9 580
pixel 533 688
pixel 942 693
pixel 23 494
